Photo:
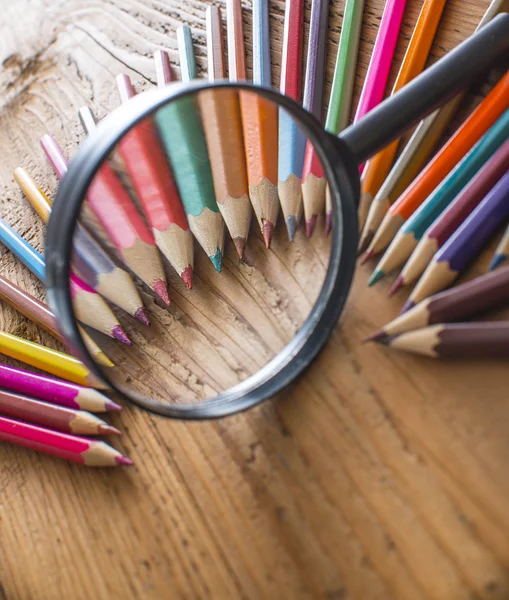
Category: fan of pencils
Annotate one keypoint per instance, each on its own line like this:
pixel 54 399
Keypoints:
pixel 431 217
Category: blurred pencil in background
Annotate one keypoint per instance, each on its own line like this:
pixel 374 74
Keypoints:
pixel 502 251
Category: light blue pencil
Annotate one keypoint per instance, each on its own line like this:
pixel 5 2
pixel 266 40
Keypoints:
pixel 261 44
pixel 23 250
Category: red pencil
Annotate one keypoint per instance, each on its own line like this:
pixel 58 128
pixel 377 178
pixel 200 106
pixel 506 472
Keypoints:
pixel 63 445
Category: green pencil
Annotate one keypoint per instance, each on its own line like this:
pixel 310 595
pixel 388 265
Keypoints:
pixel 181 132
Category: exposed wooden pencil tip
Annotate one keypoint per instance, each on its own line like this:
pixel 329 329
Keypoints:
pixel 399 283
pixel 141 315
pixel 310 225
pixel 328 223
pixel 240 246
pixel 109 430
pixel 112 406
pixel 187 276
pixel 123 461
pixel 407 306
pixel 267 230
pixel 161 289
pixel 369 254
pixel 291 226
pixel 120 335
pixel 377 337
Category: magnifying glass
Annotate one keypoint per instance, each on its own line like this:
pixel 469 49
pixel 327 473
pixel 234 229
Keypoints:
pixel 167 184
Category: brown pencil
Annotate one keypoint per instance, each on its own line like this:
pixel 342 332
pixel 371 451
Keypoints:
pixel 221 120
pixel 60 418
pixel 461 340
pixel 474 297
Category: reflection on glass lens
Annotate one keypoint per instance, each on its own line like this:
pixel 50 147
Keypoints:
pixel 191 267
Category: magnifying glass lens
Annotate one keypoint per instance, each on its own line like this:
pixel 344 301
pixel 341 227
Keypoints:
pixel 197 222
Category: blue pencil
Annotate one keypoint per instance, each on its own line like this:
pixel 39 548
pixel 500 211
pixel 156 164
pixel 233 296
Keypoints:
pixel 23 250
pixel 502 252
pixel 261 44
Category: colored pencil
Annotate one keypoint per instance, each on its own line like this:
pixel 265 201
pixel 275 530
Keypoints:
pixel 55 391
pixel 460 143
pixel 215 45
pixel 465 245
pixel 220 111
pixel 474 297
pixel 502 251
pixel 111 204
pixel 291 141
pixel 155 187
pixel 414 228
pixel 183 139
pixel 62 445
pixel 418 150
pixel 59 418
pixel 378 167
pixel 92 263
pixel 338 114
pixel 461 340
pixel 379 68
pixel 48 360
pixel 41 315
pixel 90 308
pixel 260 127
pixel 443 228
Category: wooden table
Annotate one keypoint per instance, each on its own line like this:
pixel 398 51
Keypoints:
pixel 378 475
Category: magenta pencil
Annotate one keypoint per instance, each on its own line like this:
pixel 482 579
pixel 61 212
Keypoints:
pixel 63 445
pixel 381 60
pixel 55 391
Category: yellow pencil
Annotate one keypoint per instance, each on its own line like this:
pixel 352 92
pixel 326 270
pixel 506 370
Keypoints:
pixel 48 360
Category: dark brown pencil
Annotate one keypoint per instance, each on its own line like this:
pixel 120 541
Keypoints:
pixel 461 340
pixel 60 418
pixel 482 294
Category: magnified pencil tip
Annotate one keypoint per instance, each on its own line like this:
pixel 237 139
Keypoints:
pixel 161 289
pixel 120 335
pixel 378 337
pixel 291 226
pixel 367 257
pixel 141 315
pixel 399 283
pixel 267 230
pixel 217 260
pixel 497 260
pixel 123 461
pixel 376 276
pixel 407 306
pixel 240 246
pixel 310 225
pixel 187 276
pixel 109 430
pixel 111 406
pixel 328 223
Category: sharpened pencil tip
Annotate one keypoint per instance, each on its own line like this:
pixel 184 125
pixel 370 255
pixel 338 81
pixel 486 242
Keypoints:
pixel 161 289
pixel 120 335
pixel 376 276
pixel 217 260
pixel 141 315
pixel 267 230
pixel 399 283
pixel 377 337
pixel 328 223
pixel 123 461
pixel 291 226
pixel 386 340
pixel 369 254
pixel 366 239
pixel 103 360
pixel 497 260
pixel 111 406
pixel 240 246
pixel 310 225
pixel 187 276
pixel 109 430
pixel 407 306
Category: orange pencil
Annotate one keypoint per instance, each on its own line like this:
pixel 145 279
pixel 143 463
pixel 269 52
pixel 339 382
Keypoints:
pixel 223 130
pixel 463 140
pixel 378 167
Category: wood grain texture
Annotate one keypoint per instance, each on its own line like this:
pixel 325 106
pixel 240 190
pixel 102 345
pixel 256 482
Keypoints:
pixel 377 475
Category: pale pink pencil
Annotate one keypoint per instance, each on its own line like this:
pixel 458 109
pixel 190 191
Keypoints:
pixel 380 64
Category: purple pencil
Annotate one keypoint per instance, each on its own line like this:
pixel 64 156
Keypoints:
pixel 381 59
pixel 464 246
pixel 54 391
pixel 315 60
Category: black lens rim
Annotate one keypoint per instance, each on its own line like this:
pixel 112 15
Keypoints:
pixel 339 167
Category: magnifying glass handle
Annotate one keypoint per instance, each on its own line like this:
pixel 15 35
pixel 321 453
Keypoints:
pixel 437 84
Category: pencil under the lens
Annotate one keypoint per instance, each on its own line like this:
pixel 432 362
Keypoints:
pixel 55 391
pixel 90 307
pixel 58 418
pixel 111 204
pixel 81 450
pixel 48 360
pixel 338 114
pixel 291 142
pixel 92 263
pixel 502 251
pixel 260 128
pixel 181 133
pixel 41 315
pixel 452 218
pixel 220 116
pixel 418 150
pixel 155 187
pixel 378 167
